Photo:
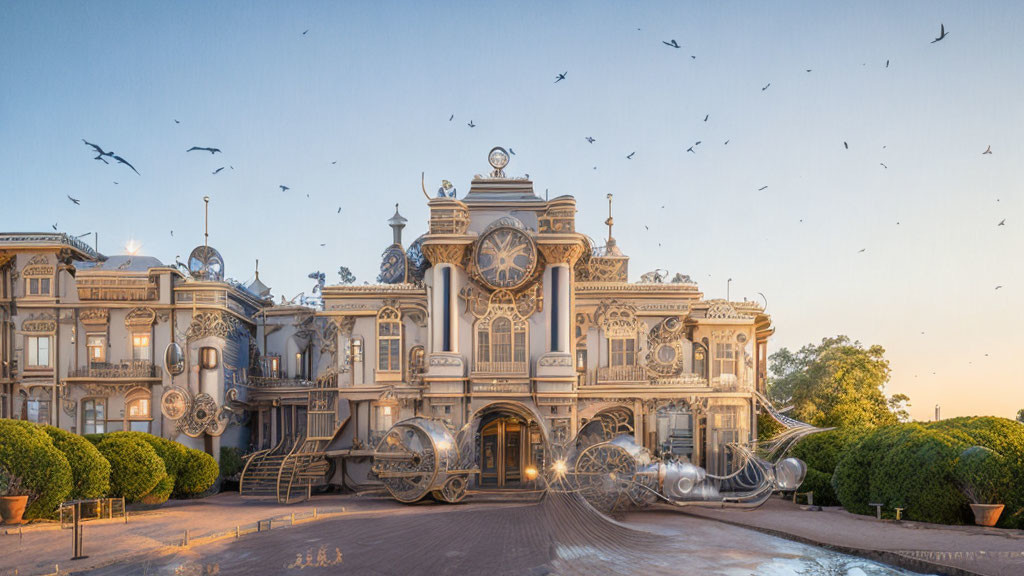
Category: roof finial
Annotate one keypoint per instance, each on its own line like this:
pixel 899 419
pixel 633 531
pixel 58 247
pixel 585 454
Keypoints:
pixel 397 222
pixel 610 221
pixel 257 268
pixel 206 222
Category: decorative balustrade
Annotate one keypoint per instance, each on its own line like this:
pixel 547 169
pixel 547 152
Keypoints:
pixel 268 382
pixel 639 375
pixel 127 369
pixel 730 383
pixel 629 373
pixel 448 217
pixel 504 368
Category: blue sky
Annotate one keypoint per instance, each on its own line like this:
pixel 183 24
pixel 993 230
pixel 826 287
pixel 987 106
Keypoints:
pixel 371 86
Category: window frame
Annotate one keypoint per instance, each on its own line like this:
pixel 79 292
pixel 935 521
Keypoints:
pixel 102 347
pixel 725 353
pixel 99 422
pixel 389 346
pixel 147 334
pixel 623 355
pixel 32 348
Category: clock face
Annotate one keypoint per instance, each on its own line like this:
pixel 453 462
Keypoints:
pixel 506 257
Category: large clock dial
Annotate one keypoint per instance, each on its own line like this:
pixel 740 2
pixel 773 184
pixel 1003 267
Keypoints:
pixel 506 257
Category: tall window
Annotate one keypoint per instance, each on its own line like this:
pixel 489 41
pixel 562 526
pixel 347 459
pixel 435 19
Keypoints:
pixel 94 418
pixel 501 340
pixel 137 410
pixel 389 341
pixel 725 359
pixel 38 351
pixel 37 286
pixel 36 410
pixel 622 352
pixel 140 346
pixel 97 347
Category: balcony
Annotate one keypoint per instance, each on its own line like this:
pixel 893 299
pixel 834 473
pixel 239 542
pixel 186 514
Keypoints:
pixel 502 368
pixel 267 382
pixel 127 369
pixel 639 375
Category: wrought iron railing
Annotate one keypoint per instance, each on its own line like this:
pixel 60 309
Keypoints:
pixel 628 373
pixel 268 382
pixel 126 369
pixel 514 368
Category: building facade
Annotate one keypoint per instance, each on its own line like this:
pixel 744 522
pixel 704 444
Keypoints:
pixel 500 316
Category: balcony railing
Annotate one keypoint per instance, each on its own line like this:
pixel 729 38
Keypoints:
pixel 513 368
pixel 629 373
pixel 126 369
pixel 639 375
pixel 268 382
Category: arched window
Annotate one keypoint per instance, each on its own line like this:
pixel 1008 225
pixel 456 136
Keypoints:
pixel 501 345
pixel 137 410
pixel 389 341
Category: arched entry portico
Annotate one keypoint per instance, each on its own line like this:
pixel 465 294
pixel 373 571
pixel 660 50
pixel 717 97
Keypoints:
pixel 508 439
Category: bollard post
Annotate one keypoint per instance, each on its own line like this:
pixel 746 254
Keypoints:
pixel 238 532
pixel 314 512
pixel 77 532
pixel 185 541
pixel 293 518
pixel 810 498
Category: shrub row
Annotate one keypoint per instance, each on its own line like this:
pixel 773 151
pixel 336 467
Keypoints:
pixel 922 468
pixel 55 465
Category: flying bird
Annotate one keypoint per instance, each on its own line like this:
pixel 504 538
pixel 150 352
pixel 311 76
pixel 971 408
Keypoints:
pixel 942 33
pixel 561 77
pixel 882 164
pixel 845 145
pixel 726 143
pixel 761 188
pixel 172 233
pixel 75 200
pixel 304 33
pixel 690 149
pixel 988 150
pixel 511 151
pixel 332 163
pixel 998 287
pixel 591 140
pixel 284 188
pixel 452 117
pixel 766 86
pixel 706 116
pixel 1001 222
pixel 100 153
pixel 886 63
pixel 471 125
pixel 671 43
pixel 630 157
pixel 205 149
pixel 218 170
pixel 126 163
pixel 809 69
pixel 862 250
pixel 339 209
pixel 54 225
pixel 176 121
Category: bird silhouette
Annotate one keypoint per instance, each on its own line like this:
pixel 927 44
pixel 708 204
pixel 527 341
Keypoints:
pixel 1002 222
pixel 452 117
pixel 845 145
pixel 75 200
pixel 54 225
pixel 808 69
pixel 671 43
pixel 304 32
pixel 339 209
pixel 706 116
pixel 284 188
pixel 630 157
pixel 511 151
pixel 690 149
pixel 988 150
pixel 100 153
pixel 561 77
pixel 125 162
pixel 172 232
pixel 998 287
pixel 471 125
pixel 766 86
pixel 204 149
pixel 942 33
pixel 726 143
pixel 862 250
pixel 591 140
pixel 761 188
pixel 176 121
pixel 886 63
pixel 882 164
pixel 218 170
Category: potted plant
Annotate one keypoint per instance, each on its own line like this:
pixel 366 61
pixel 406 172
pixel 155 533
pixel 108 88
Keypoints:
pixel 13 498
pixel 982 475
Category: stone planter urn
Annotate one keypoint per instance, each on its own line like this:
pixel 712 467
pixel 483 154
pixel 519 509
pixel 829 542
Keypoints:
pixel 12 508
pixel 986 514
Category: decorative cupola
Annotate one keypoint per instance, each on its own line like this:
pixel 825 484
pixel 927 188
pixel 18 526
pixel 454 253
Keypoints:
pixel 394 265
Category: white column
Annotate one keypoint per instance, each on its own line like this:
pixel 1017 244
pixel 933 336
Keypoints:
pixel 436 308
pixel 565 323
pixel 453 309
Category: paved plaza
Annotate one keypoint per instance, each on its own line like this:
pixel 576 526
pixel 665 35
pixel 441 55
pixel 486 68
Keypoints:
pixel 557 536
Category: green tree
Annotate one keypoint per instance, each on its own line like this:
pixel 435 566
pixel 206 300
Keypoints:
pixel 898 404
pixel 1020 415
pixel 836 383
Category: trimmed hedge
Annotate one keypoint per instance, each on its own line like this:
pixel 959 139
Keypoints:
pixel 914 466
pixel 821 452
pixel 197 474
pixel 172 453
pixel 160 493
pixel 90 471
pixel 135 467
pixel 231 462
pixel 28 453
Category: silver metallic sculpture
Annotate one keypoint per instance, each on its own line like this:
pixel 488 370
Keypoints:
pixel 606 468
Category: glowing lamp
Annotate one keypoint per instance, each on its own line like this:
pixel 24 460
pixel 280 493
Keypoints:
pixel 559 468
pixel 531 473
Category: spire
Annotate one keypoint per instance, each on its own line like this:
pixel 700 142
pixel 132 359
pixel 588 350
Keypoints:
pixel 397 223
pixel 256 286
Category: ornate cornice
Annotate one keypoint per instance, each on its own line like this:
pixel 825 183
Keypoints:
pixel 444 253
pixel 561 253
pixel 94 316
pixel 140 317
pixel 217 324
pixel 39 324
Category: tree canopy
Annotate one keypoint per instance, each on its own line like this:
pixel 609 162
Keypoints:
pixel 836 383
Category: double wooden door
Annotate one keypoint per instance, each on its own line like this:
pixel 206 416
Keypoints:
pixel 503 453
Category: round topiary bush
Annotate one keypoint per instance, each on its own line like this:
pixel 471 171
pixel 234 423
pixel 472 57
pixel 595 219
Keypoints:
pixel 26 452
pixel 160 493
pixel 852 479
pixel 135 467
pixel 90 471
pixel 917 474
pixel 171 452
pixel 197 474
pixel 983 475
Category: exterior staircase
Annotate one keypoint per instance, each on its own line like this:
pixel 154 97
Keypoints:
pixel 289 470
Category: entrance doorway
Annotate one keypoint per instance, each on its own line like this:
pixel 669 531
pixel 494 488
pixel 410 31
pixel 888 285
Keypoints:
pixel 504 452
